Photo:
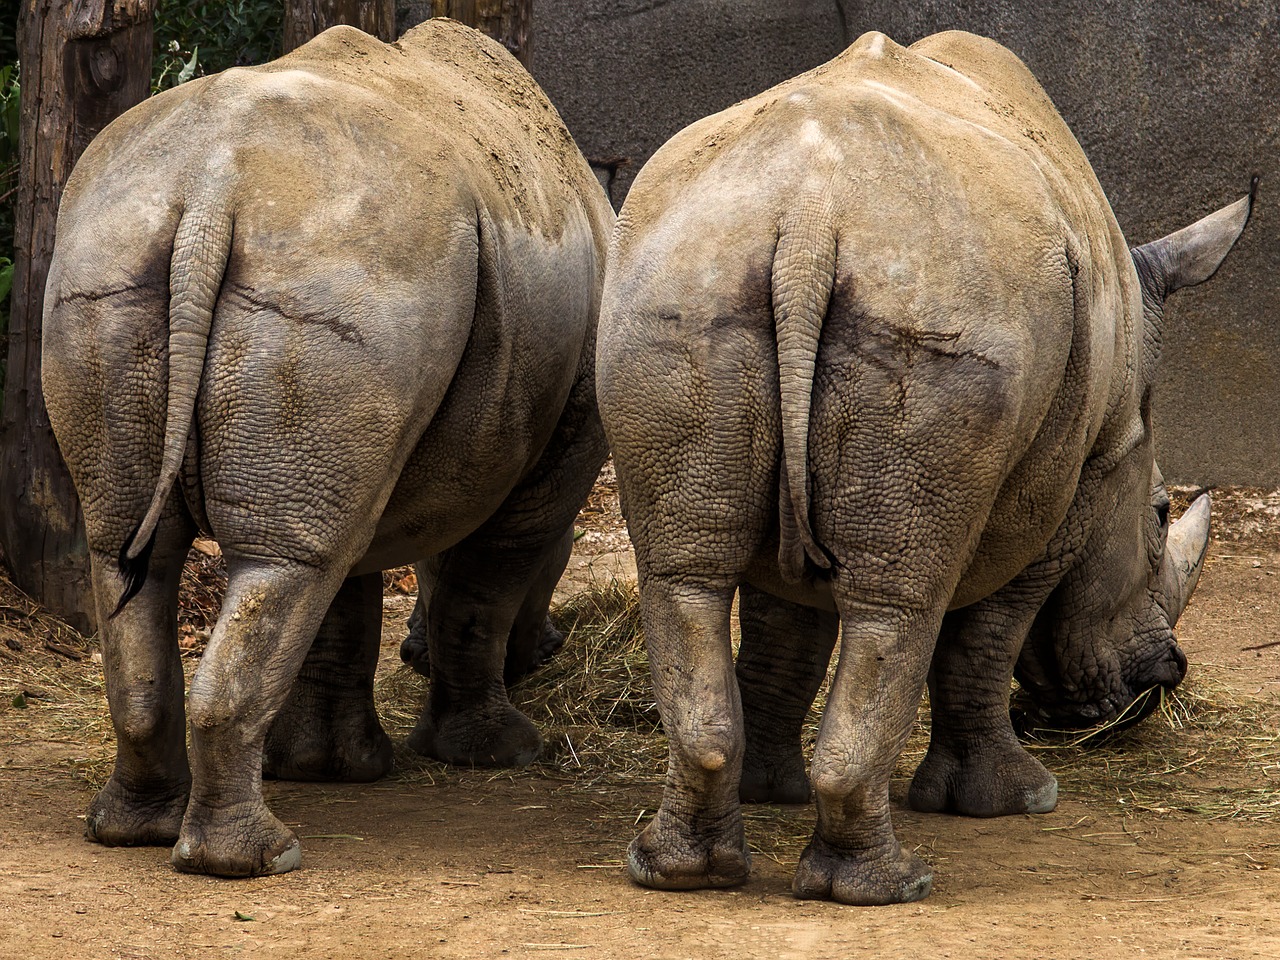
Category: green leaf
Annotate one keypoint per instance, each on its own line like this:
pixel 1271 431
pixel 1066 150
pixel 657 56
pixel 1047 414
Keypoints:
pixel 189 68
pixel 20 701
pixel 245 917
pixel 6 277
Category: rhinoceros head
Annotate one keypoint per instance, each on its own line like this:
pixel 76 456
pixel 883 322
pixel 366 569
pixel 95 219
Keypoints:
pixel 1103 646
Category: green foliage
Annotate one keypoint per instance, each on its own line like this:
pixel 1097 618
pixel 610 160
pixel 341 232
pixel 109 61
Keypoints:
pixel 194 38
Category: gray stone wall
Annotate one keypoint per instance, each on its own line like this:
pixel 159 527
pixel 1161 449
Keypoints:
pixel 626 75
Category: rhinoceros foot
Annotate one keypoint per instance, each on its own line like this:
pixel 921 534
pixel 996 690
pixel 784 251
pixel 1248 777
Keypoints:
pixel 120 817
pixel 497 736
pixel 826 873
pixel 333 748
pixel 769 779
pixel 993 781
pixel 240 841
pixel 671 855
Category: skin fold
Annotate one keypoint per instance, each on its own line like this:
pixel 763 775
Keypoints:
pixel 337 311
pixel 874 352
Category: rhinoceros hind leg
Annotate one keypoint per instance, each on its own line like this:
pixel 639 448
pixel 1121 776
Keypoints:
pixel 120 817
pixel 259 844
pixel 143 802
pixel 854 856
pixel 272 611
pixel 328 729
pixel 781 664
pixel 696 839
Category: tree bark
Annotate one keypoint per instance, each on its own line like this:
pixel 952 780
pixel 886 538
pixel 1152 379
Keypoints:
pixel 304 19
pixel 83 63
pixel 507 21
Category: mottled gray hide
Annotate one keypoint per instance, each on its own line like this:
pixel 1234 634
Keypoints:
pixel 874 351
pixel 339 312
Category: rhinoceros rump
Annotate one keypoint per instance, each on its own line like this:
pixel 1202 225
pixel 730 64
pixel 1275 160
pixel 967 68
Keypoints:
pixel 339 311
pixel 874 351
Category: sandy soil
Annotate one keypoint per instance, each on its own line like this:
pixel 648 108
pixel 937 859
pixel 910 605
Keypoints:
pixel 528 864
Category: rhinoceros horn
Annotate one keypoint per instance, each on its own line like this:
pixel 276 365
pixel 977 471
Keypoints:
pixel 1184 552
pixel 1193 254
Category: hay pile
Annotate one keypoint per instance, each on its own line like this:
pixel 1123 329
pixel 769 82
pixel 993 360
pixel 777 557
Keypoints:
pixel 593 702
pixel 51 687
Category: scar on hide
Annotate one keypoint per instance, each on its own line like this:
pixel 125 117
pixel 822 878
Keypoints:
pixel 346 332
pixel 905 343
pixel 93 296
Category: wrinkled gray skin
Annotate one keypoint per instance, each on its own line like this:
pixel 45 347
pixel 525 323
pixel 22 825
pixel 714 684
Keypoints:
pixel 874 351
pixel 533 640
pixel 339 312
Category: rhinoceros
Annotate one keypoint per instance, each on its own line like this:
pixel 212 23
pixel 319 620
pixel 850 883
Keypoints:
pixel 874 352
pixel 339 312
pixel 533 640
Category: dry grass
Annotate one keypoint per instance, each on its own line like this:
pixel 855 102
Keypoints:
pixel 594 704
pixel 1208 752
pixel 51 685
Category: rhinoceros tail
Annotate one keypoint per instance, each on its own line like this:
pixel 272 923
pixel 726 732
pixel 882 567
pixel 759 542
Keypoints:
pixel 201 247
pixel 804 266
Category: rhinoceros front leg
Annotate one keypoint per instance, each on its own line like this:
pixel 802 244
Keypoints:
pixel 415 649
pixel 485 583
pixel 533 640
pixel 696 838
pixel 975 764
pixel 144 800
pixel 271 613
pixel 854 856
pixel 781 664
pixel 328 729
pixel 468 719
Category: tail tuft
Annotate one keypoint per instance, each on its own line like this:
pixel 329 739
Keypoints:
pixel 133 570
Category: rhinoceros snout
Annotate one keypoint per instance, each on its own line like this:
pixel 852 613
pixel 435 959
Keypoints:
pixel 1165 671
pixel 1139 696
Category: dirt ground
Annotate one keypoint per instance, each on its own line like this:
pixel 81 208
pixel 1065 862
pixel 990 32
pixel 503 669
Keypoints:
pixel 469 864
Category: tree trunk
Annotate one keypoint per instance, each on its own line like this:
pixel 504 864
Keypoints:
pixel 304 19
pixel 507 21
pixel 83 64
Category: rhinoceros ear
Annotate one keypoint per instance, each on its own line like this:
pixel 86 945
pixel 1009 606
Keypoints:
pixel 1194 253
